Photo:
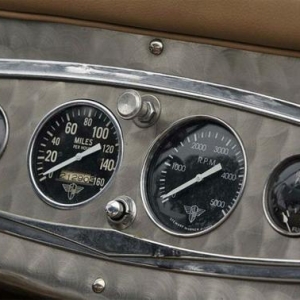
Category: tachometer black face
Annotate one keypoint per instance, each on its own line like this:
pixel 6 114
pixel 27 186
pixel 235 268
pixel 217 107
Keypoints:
pixel 193 176
pixel 74 153
pixel 282 197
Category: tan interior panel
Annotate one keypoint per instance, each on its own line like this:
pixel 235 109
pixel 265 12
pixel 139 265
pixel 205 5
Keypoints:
pixel 270 23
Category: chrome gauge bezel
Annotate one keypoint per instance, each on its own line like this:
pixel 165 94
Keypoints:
pixel 5 141
pixel 277 168
pixel 39 127
pixel 147 162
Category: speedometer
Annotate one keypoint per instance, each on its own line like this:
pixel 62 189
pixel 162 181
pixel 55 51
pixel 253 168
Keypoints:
pixel 74 153
pixel 193 176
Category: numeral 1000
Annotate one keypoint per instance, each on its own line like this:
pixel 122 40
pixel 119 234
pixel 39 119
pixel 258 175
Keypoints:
pixel 178 167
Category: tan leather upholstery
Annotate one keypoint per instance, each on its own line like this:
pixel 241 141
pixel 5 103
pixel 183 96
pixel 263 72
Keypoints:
pixel 269 23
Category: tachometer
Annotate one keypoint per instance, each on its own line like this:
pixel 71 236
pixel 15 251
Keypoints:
pixel 74 153
pixel 193 176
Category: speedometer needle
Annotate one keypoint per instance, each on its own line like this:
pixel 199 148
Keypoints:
pixel 197 178
pixel 76 157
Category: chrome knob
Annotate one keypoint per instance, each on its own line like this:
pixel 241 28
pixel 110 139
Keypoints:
pixel 120 212
pixel 143 110
pixel 130 105
pixel 115 210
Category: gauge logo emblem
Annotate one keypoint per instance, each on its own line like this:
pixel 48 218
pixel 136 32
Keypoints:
pixel 193 211
pixel 72 189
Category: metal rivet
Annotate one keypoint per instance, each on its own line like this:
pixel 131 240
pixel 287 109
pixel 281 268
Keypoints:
pixel 156 47
pixel 98 285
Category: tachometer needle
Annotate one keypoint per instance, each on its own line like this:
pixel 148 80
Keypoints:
pixel 76 157
pixel 197 178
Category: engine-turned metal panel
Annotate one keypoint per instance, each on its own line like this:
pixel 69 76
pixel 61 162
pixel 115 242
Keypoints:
pixel 246 233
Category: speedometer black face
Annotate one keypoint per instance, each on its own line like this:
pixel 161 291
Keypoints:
pixel 193 176
pixel 74 153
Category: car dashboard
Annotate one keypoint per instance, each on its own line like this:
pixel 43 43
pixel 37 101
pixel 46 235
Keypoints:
pixel 141 167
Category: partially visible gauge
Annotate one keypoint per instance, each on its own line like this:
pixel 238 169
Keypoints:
pixel 74 153
pixel 4 130
pixel 281 198
pixel 193 176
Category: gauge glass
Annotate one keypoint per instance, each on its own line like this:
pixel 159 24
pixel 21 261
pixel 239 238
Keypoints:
pixel 193 176
pixel 282 197
pixel 74 153
pixel 3 131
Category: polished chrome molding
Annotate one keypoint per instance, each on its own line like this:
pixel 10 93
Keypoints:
pixel 119 247
pixel 6 134
pixel 167 84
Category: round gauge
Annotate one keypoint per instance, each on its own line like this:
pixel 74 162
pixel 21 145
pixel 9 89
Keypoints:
pixel 3 131
pixel 74 153
pixel 193 176
pixel 281 199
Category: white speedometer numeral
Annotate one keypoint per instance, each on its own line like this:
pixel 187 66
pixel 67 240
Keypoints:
pixel 88 122
pixel 100 132
pixel 51 156
pixel 71 128
pixel 55 141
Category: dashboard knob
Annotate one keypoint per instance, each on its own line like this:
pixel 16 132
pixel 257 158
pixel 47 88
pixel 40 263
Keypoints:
pixel 115 210
pixel 143 110
pixel 120 212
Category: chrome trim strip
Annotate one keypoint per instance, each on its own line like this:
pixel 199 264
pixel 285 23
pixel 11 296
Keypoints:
pixel 6 124
pixel 167 84
pixel 115 246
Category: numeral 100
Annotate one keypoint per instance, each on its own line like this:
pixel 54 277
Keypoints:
pixel 100 132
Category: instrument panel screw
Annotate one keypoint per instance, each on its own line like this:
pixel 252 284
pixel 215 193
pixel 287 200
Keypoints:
pixel 156 47
pixel 98 286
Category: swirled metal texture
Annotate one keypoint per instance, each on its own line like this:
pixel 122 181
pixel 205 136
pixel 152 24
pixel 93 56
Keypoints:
pixel 55 272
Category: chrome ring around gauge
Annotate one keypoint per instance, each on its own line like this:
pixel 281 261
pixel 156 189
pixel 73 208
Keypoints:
pixel 4 130
pixel 281 199
pixel 193 176
pixel 74 153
